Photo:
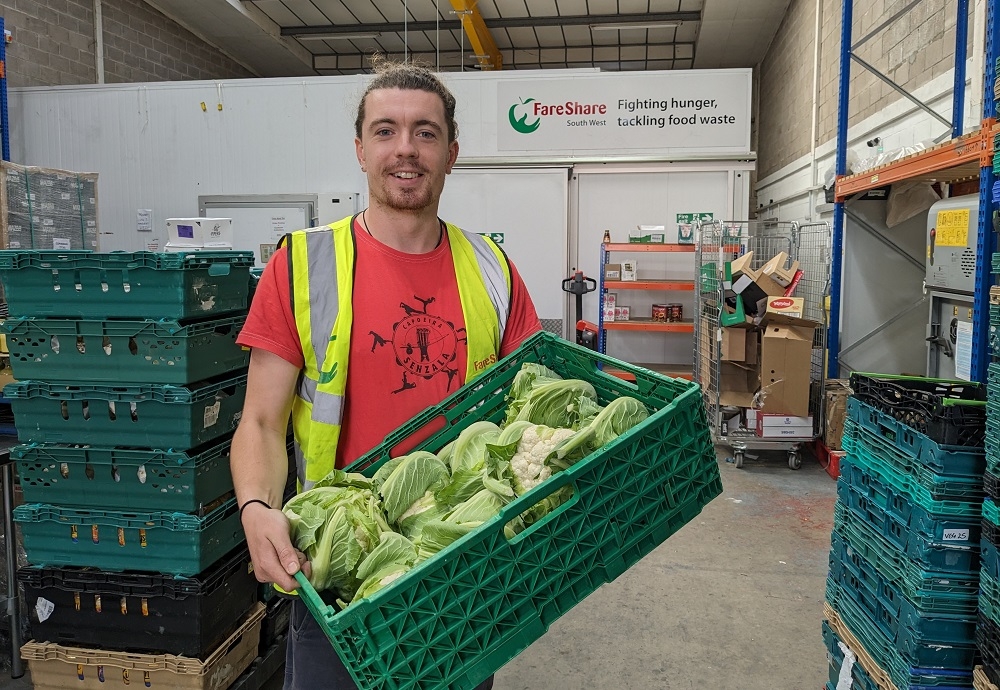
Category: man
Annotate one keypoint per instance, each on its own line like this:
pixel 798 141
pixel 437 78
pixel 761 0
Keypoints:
pixel 357 327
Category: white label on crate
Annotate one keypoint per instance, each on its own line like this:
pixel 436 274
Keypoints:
pixel 212 414
pixel 956 535
pixel 44 609
pixel 60 243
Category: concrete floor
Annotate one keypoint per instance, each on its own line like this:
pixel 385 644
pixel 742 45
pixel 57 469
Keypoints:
pixel 733 600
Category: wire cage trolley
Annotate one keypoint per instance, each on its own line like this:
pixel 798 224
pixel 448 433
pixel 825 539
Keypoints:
pixel 719 243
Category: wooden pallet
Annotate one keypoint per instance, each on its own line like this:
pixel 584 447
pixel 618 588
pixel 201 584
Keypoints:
pixel 980 681
pixel 878 675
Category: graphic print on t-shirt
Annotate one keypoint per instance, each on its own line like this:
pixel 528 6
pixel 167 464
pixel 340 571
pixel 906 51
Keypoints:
pixel 425 345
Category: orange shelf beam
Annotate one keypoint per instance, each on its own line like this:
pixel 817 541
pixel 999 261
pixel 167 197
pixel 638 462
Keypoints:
pixel 960 158
pixel 677 371
pixel 672 285
pixel 629 247
pixel 650 325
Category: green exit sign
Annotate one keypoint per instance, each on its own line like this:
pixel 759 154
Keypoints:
pixel 495 236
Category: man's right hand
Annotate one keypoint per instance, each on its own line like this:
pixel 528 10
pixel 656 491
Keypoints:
pixel 268 536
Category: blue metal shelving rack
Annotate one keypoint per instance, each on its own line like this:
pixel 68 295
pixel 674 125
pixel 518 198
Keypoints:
pixel 985 241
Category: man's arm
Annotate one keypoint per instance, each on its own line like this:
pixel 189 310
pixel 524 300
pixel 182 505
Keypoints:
pixel 259 464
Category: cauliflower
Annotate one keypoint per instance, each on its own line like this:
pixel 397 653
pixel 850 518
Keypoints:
pixel 528 463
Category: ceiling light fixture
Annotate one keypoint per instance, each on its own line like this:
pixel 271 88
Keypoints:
pixel 623 26
pixel 341 37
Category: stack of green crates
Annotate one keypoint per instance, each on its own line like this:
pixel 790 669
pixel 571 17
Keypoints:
pixel 129 386
pixel 988 634
pixel 905 557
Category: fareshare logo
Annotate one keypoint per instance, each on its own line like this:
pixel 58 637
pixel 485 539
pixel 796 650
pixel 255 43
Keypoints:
pixel 520 124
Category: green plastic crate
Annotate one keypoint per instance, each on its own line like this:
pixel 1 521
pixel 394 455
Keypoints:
pixel 147 416
pixel 170 543
pixel 124 478
pixel 990 512
pixel 88 351
pixel 138 285
pixel 459 616
pixel 944 495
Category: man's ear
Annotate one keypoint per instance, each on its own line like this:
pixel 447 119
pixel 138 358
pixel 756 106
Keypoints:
pixel 360 151
pixel 452 156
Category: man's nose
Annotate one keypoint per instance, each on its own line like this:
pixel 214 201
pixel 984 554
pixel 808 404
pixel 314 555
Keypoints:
pixel 406 145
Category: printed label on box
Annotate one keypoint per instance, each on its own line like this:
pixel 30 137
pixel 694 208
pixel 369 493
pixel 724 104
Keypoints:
pixel 212 414
pixel 64 196
pixel 956 535
pixel 60 243
pixel 186 231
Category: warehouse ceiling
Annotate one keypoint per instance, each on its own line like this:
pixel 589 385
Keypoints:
pixel 301 37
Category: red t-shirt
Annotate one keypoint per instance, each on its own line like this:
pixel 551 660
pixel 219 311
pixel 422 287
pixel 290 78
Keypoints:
pixel 408 348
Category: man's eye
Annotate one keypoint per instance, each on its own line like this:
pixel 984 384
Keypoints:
pixel 383 133
pixel 426 135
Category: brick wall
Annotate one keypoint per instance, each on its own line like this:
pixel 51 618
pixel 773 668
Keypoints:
pixel 915 49
pixel 785 84
pixel 54 45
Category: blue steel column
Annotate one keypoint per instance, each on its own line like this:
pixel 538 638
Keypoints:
pixel 603 292
pixel 4 120
pixel 833 339
pixel 958 98
pixel 985 238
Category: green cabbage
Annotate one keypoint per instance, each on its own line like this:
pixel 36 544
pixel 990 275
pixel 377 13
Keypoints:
pixel 379 580
pixel 470 447
pixel 392 549
pixel 467 516
pixel 560 404
pixel 414 475
pixel 336 527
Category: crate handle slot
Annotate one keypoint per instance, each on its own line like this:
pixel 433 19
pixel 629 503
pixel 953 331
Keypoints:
pixel 220 269
pixel 566 505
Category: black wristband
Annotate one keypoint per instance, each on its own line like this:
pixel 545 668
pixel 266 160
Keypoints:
pixel 251 501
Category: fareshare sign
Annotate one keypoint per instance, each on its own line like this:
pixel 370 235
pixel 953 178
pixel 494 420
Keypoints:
pixel 682 111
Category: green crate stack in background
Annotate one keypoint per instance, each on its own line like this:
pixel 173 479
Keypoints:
pixel 988 632
pixel 129 386
pixel 904 576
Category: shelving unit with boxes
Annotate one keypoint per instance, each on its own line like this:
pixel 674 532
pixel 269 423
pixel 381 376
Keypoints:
pixel 611 289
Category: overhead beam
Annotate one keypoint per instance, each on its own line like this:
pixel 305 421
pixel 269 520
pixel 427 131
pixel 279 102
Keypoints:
pixel 479 35
pixel 503 23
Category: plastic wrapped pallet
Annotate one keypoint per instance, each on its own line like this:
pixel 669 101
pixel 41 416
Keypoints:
pixel 45 208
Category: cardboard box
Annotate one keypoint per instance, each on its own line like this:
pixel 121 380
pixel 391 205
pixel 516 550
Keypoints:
pixel 685 233
pixel 837 391
pixel 779 273
pixel 741 266
pixel 783 426
pixel 170 247
pixel 649 234
pixel 734 344
pixel 629 270
pixel 622 313
pixel 740 381
pixel 609 312
pixel 786 364
pixel 198 232
pixel 612 271
pixel 756 292
pixel 789 306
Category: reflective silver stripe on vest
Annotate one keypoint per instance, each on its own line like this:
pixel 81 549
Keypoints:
pixel 323 304
pixel 326 407
pixel 493 279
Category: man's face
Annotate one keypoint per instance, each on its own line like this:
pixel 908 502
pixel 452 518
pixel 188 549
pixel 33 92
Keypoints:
pixel 404 148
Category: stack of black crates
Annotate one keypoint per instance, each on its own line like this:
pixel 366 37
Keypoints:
pixel 129 388
pixel 902 591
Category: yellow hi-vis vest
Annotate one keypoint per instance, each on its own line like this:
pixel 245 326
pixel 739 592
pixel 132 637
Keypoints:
pixel 321 270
